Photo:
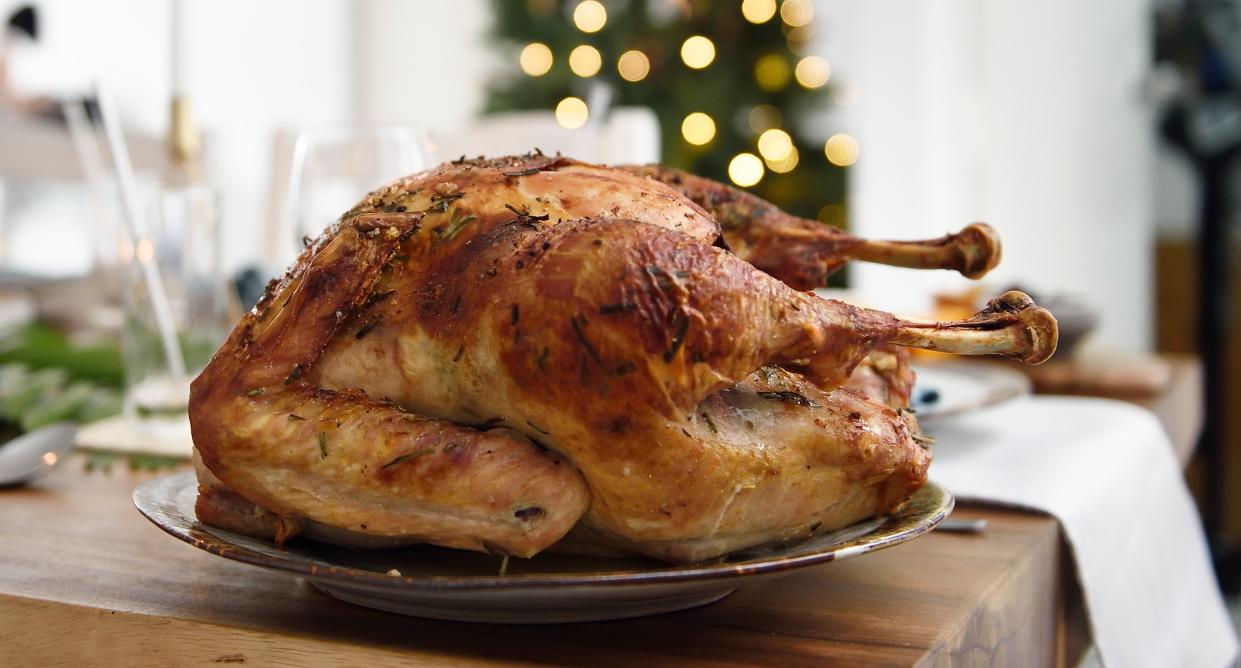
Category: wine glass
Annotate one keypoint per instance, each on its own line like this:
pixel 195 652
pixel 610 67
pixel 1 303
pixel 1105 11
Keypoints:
pixel 334 167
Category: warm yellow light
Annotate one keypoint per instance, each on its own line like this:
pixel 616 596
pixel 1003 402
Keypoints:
pixel 590 16
pixel 797 12
pixel 758 11
pixel 572 112
pixel 585 61
pixel 798 37
pixel 812 72
pixel 833 214
pixel 536 59
pixel 841 149
pixel 786 163
pixel 772 72
pixel 698 52
pixel 774 145
pixel 633 66
pixel 762 117
pixel 745 169
pixel 144 250
pixel 698 128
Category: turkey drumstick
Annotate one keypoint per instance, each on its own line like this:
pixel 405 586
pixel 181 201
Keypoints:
pixel 803 253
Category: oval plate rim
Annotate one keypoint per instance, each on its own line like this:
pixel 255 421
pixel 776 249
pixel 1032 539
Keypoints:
pixel 156 500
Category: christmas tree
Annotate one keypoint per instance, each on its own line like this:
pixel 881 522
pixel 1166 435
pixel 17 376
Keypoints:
pixel 733 84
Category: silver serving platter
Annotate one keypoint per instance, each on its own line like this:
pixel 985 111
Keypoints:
pixel 467 586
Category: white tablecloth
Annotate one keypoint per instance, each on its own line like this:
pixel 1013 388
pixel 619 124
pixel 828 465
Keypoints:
pixel 1106 470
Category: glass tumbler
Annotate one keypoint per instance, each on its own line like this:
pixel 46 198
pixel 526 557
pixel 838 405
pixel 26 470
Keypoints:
pixel 182 239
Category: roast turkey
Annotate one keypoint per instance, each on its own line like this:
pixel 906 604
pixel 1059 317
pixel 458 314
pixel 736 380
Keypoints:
pixel 530 352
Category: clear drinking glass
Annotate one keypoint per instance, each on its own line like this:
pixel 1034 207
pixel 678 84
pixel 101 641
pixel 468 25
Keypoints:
pixel 335 167
pixel 182 238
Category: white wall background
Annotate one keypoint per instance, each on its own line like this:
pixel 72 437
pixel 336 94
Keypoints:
pixel 1027 115
pixel 252 67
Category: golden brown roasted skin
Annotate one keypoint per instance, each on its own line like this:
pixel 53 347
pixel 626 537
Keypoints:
pixel 491 353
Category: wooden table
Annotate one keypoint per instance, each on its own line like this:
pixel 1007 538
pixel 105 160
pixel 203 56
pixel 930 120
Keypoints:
pixel 85 579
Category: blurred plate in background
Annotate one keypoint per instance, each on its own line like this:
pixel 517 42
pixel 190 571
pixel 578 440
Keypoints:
pixel 945 389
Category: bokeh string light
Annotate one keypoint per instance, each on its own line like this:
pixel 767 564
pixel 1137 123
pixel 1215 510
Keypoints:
pixel 745 170
pixel 697 52
pixel 633 66
pixel 842 149
pixel 698 128
pixel 772 72
pixel 758 11
pixel 796 13
pixel 585 61
pixel 572 113
pixel 812 72
pixel 590 16
pixel 536 59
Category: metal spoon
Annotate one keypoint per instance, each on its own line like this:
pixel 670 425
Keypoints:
pixel 33 454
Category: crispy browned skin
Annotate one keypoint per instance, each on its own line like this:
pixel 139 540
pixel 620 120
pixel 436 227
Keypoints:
pixel 803 253
pixel 885 377
pixel 521 296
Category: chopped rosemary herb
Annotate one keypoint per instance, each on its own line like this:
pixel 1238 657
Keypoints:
pixel 524 172
pixel 537 428
pixel 787 397
pixel 322 445
pixel 294 417
pixel 446 196
pixel 577 322
pixel 255 391
pixel 455 223
pixel 678 337
pixel 377 297
pixel 627 367
pixel 515 313
pixel 460 352
pixel 541 361
pixel 404 458
pixel 523 214
pixel 294 374
pixel 452 447
pixel 710 423
pixel 366 328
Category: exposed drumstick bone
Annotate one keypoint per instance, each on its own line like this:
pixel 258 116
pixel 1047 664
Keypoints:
pixel 1010 325
pixel 973 251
